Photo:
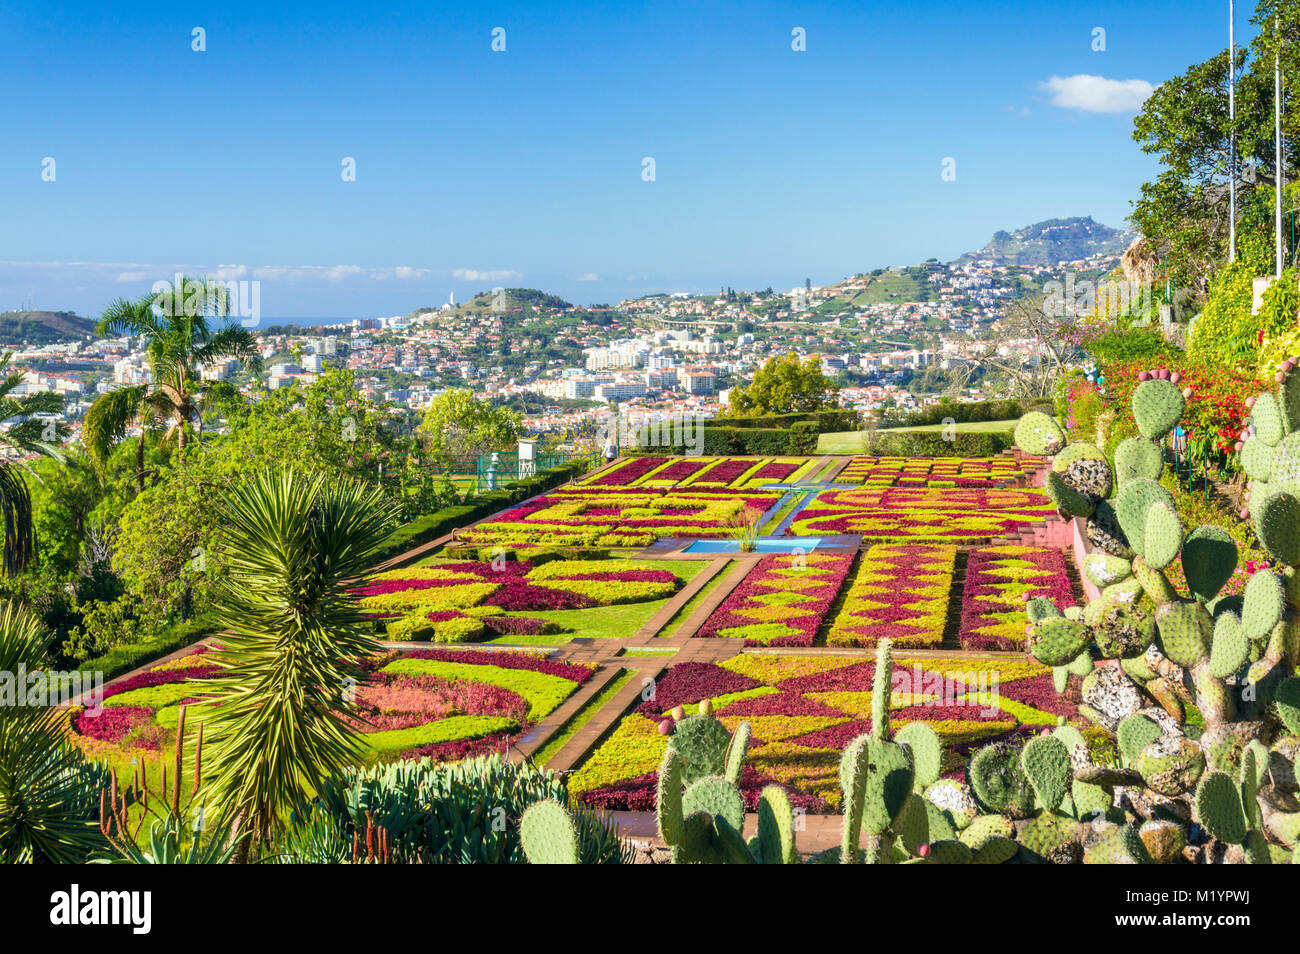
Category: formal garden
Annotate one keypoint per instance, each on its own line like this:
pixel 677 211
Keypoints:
pixel 1023 658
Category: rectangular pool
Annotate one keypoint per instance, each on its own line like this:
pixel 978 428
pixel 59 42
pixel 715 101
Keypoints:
pixel 804 544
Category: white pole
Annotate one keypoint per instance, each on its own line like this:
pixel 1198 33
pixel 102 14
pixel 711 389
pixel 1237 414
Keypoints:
pixel 1232 136
pixel 1277 140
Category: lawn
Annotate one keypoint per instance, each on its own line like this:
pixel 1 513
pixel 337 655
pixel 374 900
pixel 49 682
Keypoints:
pixel 605 622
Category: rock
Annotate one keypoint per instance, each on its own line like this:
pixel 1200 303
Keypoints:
pixel 1171 765
pixel 1111 695
pixel 955 798
pixel 1164 840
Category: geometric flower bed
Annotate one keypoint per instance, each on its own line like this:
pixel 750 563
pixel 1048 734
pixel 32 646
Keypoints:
pixel 899 592
pixel 596 516
pixel 935 471
pixel 782 600
pixel 941 515
pixel 455 601
pixel 803 710
pixel 998 582
pixel 443 704
pixel 668 473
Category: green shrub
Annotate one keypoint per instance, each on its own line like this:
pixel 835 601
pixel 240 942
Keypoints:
pixel 130 656
pixel 932 444
pixel 462 813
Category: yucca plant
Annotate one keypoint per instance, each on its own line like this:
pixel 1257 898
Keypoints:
pixel 745 527
pixel 49 794
pixel 178 338
pixel 279 719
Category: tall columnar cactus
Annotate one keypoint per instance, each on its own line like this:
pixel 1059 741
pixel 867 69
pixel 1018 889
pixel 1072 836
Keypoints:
pixel 1164 651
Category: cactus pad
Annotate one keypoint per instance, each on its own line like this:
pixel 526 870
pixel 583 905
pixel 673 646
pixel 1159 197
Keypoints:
pixel 1263 603
pixel 1256 458
pixel 1286 702
pixel 775 827
pixel 1209 558
pixel 548 835
pixel 1065 498
pixel 1104 532
pixel 736 753
pixel 1104 569
pixel 1277 523
pixel 1185 631
pixel 1038 434
pixel 715 796
pixel 1137 457
pixel 1230 649
pixel 1135 733
pixel 997 781
pixel 1058 640
pixel 1045 761
pixel 921 822
pixel 1218 808
pixel 927 752
pixel 668 798
pixel 1163 536
pixel 1132 502
pixel 1286 460
pixel 702 741
pixel 1266 415
pixel 1040 608
pixel 1158 406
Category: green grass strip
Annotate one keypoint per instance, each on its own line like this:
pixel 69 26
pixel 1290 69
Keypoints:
pixel 581 718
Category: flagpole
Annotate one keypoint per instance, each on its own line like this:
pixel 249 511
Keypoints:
pixel 1232 135
pixel 1277 140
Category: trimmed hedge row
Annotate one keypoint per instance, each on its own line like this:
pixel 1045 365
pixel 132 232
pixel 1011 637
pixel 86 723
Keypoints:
pixel 798 440
pixel 840 419
pixel 125 658
pixel 932 444
pixel 433 525
pixel 968 413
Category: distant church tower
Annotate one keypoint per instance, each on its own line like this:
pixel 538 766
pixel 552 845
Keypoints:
pixel 451 299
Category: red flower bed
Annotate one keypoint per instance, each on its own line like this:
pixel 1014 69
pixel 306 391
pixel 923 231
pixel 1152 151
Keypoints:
pixel 782 600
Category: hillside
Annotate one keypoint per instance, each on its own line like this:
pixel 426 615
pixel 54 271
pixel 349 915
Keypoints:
pixel 43 327
pixel 517 301
pixel 1052 242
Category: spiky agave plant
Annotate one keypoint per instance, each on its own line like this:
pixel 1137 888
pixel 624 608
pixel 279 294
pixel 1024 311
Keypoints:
pixel 49 794
pixel 278 721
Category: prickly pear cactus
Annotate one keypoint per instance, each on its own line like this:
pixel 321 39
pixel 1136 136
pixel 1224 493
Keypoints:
pixel 1149 653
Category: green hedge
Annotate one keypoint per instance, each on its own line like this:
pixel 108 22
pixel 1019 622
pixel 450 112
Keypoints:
pixel 431 526
pixel 969 413
pixel 932 444
pixel 798 440
pixel 125 658
pixel 827 422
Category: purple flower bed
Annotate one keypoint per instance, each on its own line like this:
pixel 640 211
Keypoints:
pixel 988 593
pixel 780 704
pixel 624 475
pixel 520 625
pixel 679 470
pixel 638 794
pixel 690 682
pixel 572 671
pixel 725 472
pixel 145 679
pixel 114 723
pixel 458 749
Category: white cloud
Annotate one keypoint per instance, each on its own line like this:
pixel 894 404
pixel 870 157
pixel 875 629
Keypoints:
pixel 491 275
pixel 1097 94
pixel 589 277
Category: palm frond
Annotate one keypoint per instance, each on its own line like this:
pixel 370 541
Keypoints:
pixel 107 420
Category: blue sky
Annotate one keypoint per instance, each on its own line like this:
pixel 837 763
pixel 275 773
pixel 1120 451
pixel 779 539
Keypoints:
pixel 477 168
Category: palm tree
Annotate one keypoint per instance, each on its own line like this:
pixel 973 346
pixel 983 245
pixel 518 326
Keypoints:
pixel 30 435
pixel 293 639
pixel 178 336
pixel 49 794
